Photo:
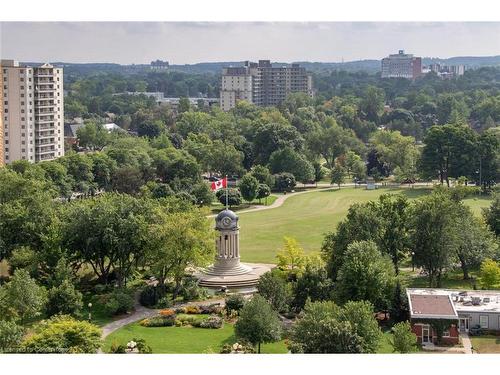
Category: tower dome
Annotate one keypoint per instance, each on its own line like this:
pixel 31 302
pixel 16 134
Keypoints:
pixel 226 220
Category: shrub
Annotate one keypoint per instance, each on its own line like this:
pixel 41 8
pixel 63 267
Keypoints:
pixel 119 302
pixel 167 313
pixel 284 181
pixel 240 348
pixel 212 321
pixel 211 309
pixel 192 291
pixel 157 321
pixel 233 196
pixel 180 310
pixel 117 348
pixel 193 309
pixel 403 340
pixel 234 302
pixel 64 334
pixel 10 336
pixel 189 320
pixel 178 323
pixel 164 303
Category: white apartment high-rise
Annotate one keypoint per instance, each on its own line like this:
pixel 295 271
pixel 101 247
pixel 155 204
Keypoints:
pixel 33 112
pixel 262 83
pixel 2 161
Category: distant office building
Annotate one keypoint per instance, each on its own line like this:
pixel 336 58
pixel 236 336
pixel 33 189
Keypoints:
pixel 401 65
pixel 262 83
pixel 33 112
pixel 159 65
pixel 160 99
pixel 447 71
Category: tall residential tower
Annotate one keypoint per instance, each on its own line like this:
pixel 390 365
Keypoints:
pixel 33 112
pixel 262 83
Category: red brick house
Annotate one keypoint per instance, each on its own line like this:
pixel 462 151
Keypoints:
pixel 431 312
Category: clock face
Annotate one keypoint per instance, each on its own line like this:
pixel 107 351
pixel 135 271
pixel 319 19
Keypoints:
pixel 226 221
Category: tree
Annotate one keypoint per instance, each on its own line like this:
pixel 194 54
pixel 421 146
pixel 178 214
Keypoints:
pixel 291 257
pixel 354 166
pixel 64 299
pixel 258 322
pixel 151 129
pixel 475 242
pixel 92 136
pixel 225 159
pixel 203 193
pixel 64 334
pixel 248 187
pixel 338 174
pixel 448 152
pixel 333 141
pixel 127 180
pixel 372 103
pixel 490 274
pixel 21 298
pixel 312 284
pixel 103 169
pixel 109 233
pixel 274 288
pixel 179 240
pixel 385 222
pixel 233 196
pixel 273 136
pixel 11 336
pixel 284 181
pixel 367 275
pixel 288 160
pixel 263 191
pixel 262 174
pixel 434 236
pixel 397 152
pixel 492 215
pixel 403 339
pixel 325 327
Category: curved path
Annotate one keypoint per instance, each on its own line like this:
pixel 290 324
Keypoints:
pixel 281 199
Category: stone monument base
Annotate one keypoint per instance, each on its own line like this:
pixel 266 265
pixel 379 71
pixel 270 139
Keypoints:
pixel 233 281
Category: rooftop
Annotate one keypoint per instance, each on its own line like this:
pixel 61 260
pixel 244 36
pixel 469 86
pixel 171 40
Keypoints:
pixel 465 300
pixel 431 306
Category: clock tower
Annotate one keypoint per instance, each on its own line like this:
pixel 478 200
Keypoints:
pixel 227 243
pixel 227 273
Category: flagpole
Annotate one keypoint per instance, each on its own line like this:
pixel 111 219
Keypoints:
pixel 226 194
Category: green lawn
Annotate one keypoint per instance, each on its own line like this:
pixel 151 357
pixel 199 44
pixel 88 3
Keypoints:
pixel 452 280
pixel 308 217
pixel 181 340
pixel 486 344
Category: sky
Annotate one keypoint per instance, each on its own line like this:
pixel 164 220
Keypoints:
pixel 192 42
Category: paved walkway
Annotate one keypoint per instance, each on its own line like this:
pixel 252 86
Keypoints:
pixel 282 198
pixel 466 343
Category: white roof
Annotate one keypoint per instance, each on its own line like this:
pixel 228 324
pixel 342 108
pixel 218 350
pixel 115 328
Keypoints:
pixel 487 300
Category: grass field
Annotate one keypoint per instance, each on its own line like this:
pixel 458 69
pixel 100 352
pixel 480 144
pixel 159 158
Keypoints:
pixel 486 344
pixel 182 340
pixel 308 217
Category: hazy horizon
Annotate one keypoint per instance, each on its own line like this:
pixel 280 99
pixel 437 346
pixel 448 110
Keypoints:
pixel 196 42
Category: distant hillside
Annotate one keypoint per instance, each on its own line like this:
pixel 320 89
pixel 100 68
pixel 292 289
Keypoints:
pixel 369 66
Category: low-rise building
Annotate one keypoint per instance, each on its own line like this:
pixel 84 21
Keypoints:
pixel 461 309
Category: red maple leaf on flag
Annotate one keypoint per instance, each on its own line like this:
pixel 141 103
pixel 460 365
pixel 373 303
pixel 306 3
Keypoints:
pixel 217 185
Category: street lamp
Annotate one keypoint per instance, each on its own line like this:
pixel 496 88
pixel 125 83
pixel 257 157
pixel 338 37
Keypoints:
pixel 90 314
pixel 413 261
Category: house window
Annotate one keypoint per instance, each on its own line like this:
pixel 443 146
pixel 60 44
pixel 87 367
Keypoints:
pixel 483 321
pixel 446 333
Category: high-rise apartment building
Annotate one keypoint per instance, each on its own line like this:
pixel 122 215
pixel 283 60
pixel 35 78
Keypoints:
pixel 262 83
pixel 401 65
pixel 33 112
pixel 2 162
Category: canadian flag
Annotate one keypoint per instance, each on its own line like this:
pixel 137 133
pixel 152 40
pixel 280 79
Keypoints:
pixel 217 185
